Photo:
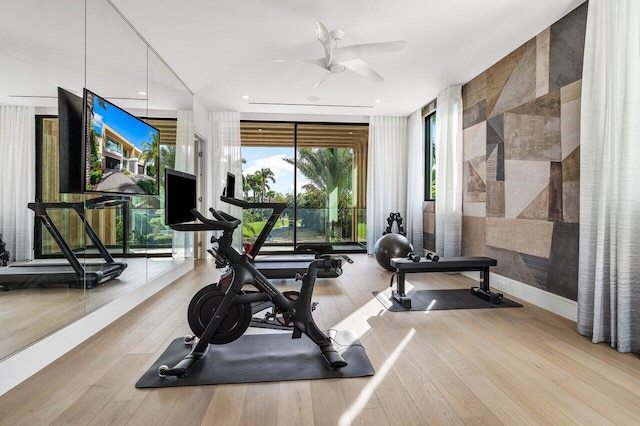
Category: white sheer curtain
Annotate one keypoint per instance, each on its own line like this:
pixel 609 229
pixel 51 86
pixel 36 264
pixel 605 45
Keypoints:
pixel 449 172
pixel 223 155
pixel 386 175
pixel 17 146
pixel 185 162
pixel 415 181
pixel 609 266
pixel 185 146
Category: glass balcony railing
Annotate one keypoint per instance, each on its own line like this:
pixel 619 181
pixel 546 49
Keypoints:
pixel 114 147
pixel 308 226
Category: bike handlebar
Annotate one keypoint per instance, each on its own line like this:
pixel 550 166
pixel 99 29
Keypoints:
pixel 223 222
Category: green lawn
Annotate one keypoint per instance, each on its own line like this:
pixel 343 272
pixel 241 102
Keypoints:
pixel 259 226
pixel 362 231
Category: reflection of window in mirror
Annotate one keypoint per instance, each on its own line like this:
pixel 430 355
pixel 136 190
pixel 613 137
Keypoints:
pixel 83 56
pixel 143 229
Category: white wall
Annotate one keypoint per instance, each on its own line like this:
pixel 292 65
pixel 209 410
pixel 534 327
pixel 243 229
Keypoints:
pixel 200 118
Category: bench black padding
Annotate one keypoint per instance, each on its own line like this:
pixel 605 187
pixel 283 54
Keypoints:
pixel 451 264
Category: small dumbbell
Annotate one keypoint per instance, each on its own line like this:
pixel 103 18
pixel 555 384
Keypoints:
pixel 413 257
pixel 433 257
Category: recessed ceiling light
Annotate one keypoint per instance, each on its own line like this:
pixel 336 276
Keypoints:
pixel 313 98
pixel 140 92
pixel 245 96
pixel 377 101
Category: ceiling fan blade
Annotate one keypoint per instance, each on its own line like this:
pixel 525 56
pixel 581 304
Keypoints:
pixel 321 80
pixel 347 53
pixel 319 62
pixel 322 32
pixel 325 38
pixel 360 67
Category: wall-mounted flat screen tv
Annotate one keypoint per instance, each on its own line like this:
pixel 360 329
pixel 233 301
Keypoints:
pixel 70 148
pixel 122 152
pixel 179 196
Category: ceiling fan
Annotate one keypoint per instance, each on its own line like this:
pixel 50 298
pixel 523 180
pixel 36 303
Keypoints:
pixel 337 59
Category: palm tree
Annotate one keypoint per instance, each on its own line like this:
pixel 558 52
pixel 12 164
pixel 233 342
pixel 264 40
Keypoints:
pixel 254 183
pixel 245 185
pixel 151 151
pixel 265 174
pixel 328 169
pixel 167 157
pixel 167 160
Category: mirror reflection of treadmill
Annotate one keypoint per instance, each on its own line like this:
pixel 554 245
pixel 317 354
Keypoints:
pixel 277 265
pixel 74 273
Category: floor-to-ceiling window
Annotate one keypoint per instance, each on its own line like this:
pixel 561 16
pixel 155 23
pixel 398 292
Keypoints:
pixel 319 170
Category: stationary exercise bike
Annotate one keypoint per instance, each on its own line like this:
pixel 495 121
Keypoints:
pixel 221 312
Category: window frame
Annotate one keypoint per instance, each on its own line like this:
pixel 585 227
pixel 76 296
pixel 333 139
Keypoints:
pixel 429 157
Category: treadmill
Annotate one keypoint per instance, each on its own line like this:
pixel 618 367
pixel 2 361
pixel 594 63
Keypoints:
pixel 74 273
pixel 285 266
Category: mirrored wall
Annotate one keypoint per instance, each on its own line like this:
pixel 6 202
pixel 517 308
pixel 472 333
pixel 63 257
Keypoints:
pixel 116 233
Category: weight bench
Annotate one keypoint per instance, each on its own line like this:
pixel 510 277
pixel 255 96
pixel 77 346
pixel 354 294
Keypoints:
pixel 451 264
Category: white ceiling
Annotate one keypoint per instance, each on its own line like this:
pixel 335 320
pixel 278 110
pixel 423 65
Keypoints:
pixel 221 49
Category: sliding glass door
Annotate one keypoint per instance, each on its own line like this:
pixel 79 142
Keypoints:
pixel 268 175
pixel 319 170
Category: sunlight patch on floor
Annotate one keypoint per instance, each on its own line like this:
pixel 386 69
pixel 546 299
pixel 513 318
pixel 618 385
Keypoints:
pixel 356 322
pixel 366 393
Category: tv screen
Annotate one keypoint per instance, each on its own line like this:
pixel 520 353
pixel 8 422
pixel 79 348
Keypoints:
pixel 231 185
pixel 70 149
pixel 179 196
pixel 122 152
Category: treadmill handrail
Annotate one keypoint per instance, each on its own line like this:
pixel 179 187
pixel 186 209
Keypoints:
pixel 40 209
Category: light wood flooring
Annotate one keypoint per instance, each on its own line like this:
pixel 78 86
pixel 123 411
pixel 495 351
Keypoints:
pixel 507 366
pixel 33 312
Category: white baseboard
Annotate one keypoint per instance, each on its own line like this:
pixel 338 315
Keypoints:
pixel 559 305
pixel 32 359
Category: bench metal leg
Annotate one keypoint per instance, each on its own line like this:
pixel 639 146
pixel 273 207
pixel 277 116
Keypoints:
pixel 484 291
pixel 400 295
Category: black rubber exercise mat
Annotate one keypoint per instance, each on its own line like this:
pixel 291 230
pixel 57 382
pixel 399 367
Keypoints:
pixel 433 300
pixel 269 357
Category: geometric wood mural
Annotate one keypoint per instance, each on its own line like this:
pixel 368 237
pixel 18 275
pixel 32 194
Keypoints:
pixel 521 159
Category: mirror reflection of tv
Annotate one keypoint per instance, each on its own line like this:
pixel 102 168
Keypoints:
pixel 121 153
pixel 179 196
pixel 70 147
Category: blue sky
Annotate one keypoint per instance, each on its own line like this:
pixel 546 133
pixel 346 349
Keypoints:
pixel 130 128
pixel 272 158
